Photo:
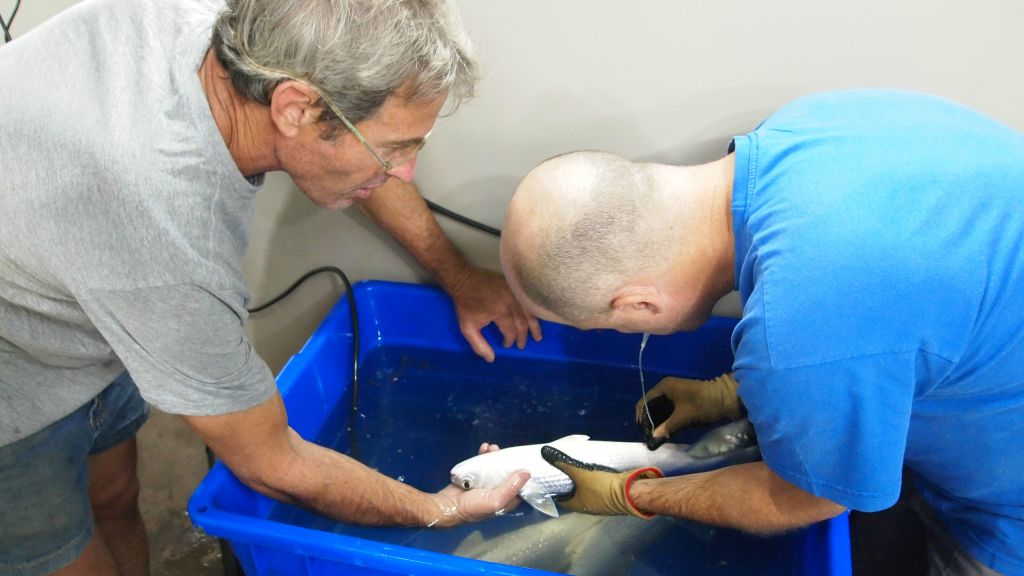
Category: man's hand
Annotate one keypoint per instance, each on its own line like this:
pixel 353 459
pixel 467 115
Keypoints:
pixel 693 402
pixel 482 297
pixel 457 505
pixel 598 489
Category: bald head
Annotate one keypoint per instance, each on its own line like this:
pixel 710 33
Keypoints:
pixel 579 226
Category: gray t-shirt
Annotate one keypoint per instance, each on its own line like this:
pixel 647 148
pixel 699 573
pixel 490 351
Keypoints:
pixel 123 219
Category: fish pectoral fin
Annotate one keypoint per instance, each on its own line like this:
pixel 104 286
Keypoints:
pixel 542 503
pixel 535 496
pixel 532 494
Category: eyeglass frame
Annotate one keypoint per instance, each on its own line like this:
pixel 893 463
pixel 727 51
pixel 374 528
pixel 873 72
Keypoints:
pixel 387 165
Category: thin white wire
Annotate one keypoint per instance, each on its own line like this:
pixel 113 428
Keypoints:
pixel 643 386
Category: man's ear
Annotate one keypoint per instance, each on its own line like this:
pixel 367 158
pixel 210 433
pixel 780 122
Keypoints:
pixel 637 301
pixel 293 105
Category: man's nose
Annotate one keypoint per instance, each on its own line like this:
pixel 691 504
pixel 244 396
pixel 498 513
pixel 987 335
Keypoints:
pixel 406 171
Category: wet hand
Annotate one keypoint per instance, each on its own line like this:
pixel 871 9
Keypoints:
pixel 598 489
pixel 458 506
pixel 693 402
pixel 483 297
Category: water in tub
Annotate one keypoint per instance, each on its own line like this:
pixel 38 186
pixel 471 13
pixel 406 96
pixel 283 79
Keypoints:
pixel 421 412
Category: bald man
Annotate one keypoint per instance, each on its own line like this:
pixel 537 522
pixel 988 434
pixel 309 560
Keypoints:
pixel 877 242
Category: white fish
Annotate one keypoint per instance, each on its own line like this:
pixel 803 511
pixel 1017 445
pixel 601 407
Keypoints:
pixel 490 469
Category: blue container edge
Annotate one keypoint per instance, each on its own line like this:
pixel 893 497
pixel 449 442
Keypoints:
pixel 831 553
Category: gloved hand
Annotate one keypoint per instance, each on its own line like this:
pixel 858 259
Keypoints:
pixel 598 489
pixel 693 402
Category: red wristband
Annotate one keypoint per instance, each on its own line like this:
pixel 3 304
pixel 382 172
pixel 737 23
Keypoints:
pixel 639 474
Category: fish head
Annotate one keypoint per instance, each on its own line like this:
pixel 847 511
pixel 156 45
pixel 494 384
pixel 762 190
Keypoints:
pixel 464 478
pixel 480 471
pixel 470 474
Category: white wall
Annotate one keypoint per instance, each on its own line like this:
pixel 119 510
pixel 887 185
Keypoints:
pixel 667 80
pixel 31 13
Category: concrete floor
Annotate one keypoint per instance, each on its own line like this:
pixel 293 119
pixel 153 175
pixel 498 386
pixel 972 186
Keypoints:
pixel 172 461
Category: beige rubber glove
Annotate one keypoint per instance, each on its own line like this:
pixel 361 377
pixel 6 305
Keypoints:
pixel 693 402
pixel 598 489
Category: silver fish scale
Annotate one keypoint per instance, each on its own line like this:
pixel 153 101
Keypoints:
pixel 551 481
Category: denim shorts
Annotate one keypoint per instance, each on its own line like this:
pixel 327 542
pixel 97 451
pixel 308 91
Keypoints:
pixel 45 517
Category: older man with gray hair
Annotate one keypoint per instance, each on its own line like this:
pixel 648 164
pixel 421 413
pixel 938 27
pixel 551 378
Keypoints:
pixel 136 134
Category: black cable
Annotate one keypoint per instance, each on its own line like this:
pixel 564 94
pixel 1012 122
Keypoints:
pixel 353 312
pixel 303 278
pixel 463 219
pixel 6 24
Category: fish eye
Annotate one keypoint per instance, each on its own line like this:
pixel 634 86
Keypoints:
pixel 466 484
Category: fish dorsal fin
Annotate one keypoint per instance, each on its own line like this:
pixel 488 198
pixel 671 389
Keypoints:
pixel 470 544
pixel 571 439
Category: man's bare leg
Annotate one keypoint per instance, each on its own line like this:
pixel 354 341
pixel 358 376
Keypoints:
pixel 114 495
pixel 94 561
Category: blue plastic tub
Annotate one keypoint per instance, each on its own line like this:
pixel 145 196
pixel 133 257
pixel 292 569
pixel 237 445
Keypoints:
pixel 427 402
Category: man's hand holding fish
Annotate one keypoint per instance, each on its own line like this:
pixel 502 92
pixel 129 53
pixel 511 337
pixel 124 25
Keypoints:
pixel 599 489
pixel 457 505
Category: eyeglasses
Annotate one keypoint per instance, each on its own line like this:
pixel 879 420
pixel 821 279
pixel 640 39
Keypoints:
pixel 398 156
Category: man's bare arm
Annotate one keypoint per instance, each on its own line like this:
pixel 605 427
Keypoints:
pixel 398 208
pixel 748 497
pixel 267 455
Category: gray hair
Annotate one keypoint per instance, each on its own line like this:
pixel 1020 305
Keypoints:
pixel 355 52
pixel 599 229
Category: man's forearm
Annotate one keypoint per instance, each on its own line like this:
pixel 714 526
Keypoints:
pixel 271 458
pixel 748 497
pixel 342 488
pixel 398 208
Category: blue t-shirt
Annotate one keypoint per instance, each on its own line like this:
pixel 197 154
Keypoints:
pixel 880 258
